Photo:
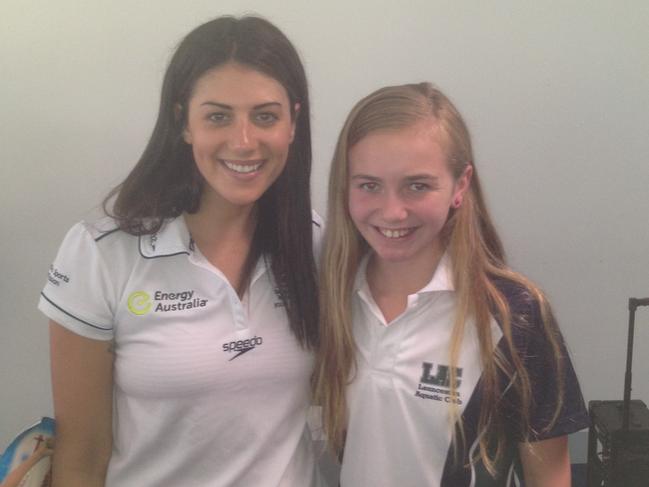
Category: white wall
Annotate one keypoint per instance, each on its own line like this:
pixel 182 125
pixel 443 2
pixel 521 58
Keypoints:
pixel 556 94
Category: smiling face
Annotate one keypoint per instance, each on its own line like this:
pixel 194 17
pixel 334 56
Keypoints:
pixel 401 191
pixel 240 127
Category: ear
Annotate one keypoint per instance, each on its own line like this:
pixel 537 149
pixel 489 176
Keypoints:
pixel 296 114
pixel 178 113
pixel 461 186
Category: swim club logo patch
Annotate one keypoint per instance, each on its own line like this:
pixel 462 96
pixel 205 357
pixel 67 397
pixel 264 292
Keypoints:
pixel 435 383
pixel 141 303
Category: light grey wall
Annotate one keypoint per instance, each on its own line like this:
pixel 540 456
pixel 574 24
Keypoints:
pixel 556 94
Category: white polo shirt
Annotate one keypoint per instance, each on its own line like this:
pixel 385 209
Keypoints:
pixel 399 432
pixel 209 390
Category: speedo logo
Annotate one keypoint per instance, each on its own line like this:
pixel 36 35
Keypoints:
pixel 141 303
pixel 242 346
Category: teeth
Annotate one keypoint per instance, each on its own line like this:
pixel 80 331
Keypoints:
pixel 244 169
pixel 395 233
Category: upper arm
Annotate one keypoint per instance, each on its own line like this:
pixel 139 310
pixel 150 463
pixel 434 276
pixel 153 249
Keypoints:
pixel 546 463
pixel 82 384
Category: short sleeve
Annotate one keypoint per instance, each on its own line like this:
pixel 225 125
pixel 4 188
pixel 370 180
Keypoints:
pixel 78 293
pixel 534 348
pixel 538 358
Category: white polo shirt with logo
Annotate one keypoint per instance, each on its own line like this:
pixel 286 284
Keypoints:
pixel 399 432
pixel 209 390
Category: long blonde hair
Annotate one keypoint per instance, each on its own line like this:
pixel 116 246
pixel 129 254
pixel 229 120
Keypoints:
pixel 477 259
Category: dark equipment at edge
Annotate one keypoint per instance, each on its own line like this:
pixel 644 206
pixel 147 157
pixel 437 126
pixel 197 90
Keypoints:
pixel 618 437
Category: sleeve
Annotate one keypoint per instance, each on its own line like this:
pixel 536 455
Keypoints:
pixel 78 292
pixel 534 347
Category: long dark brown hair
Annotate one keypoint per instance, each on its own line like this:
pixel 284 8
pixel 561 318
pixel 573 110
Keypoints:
pixel 166 183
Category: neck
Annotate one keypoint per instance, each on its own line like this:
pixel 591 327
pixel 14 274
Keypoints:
pixel 224 237
pixel 216 223
pixel 402 278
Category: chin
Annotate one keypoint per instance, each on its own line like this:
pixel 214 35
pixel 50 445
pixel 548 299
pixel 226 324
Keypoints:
pixel 241 198
pixel 393 257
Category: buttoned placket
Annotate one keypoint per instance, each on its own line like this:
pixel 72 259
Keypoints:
pixel 385 338
pixel 240 307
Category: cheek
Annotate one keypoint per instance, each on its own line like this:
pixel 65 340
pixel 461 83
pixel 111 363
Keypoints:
pixel 203 143
pixel 359 207
pixel 435 214
pixel 280 141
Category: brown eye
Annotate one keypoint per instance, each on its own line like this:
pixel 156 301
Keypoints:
pixel 418 187
pixel 218 117
pixel 370 187
pixel 266 118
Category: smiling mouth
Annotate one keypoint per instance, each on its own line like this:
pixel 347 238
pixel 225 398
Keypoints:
pixel 243 167
pixel 396 232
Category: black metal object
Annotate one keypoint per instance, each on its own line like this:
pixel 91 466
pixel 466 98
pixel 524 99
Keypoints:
pixel 618 437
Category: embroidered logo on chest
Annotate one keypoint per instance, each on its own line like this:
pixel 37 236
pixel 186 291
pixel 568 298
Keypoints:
pixel 141 302
pixel 435 383
pixel 242 346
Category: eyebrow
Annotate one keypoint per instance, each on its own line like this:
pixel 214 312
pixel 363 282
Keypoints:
pixel 229 107
pixel 365 176
pixel 414 177
pixel 419 177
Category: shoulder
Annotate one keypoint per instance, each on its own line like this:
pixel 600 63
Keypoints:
pixel 94 230
pixel 524 301
pixel 533 327
pixel 101 238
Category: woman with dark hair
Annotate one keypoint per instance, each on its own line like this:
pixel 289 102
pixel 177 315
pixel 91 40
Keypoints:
pixel 182 323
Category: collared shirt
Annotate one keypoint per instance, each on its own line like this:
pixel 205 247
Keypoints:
pixel 209 390
pixel 400 430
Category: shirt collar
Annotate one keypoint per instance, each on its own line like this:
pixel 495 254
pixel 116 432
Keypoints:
pixel 442 279
pixel 172 238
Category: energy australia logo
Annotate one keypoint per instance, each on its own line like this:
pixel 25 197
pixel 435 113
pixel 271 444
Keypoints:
pixel 141 302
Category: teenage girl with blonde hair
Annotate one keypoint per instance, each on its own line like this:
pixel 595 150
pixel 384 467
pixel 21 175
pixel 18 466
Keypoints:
pixel 439 365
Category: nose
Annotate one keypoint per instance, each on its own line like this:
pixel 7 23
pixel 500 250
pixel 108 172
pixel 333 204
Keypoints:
pixel 242 136
pixel 394 209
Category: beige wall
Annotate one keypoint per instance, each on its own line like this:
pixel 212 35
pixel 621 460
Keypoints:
pixel 556 94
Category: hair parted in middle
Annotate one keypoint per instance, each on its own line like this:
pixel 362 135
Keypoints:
pixel 166 182
pixel 477 259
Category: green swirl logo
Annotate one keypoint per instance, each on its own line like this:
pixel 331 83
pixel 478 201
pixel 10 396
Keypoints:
pixel 139 303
